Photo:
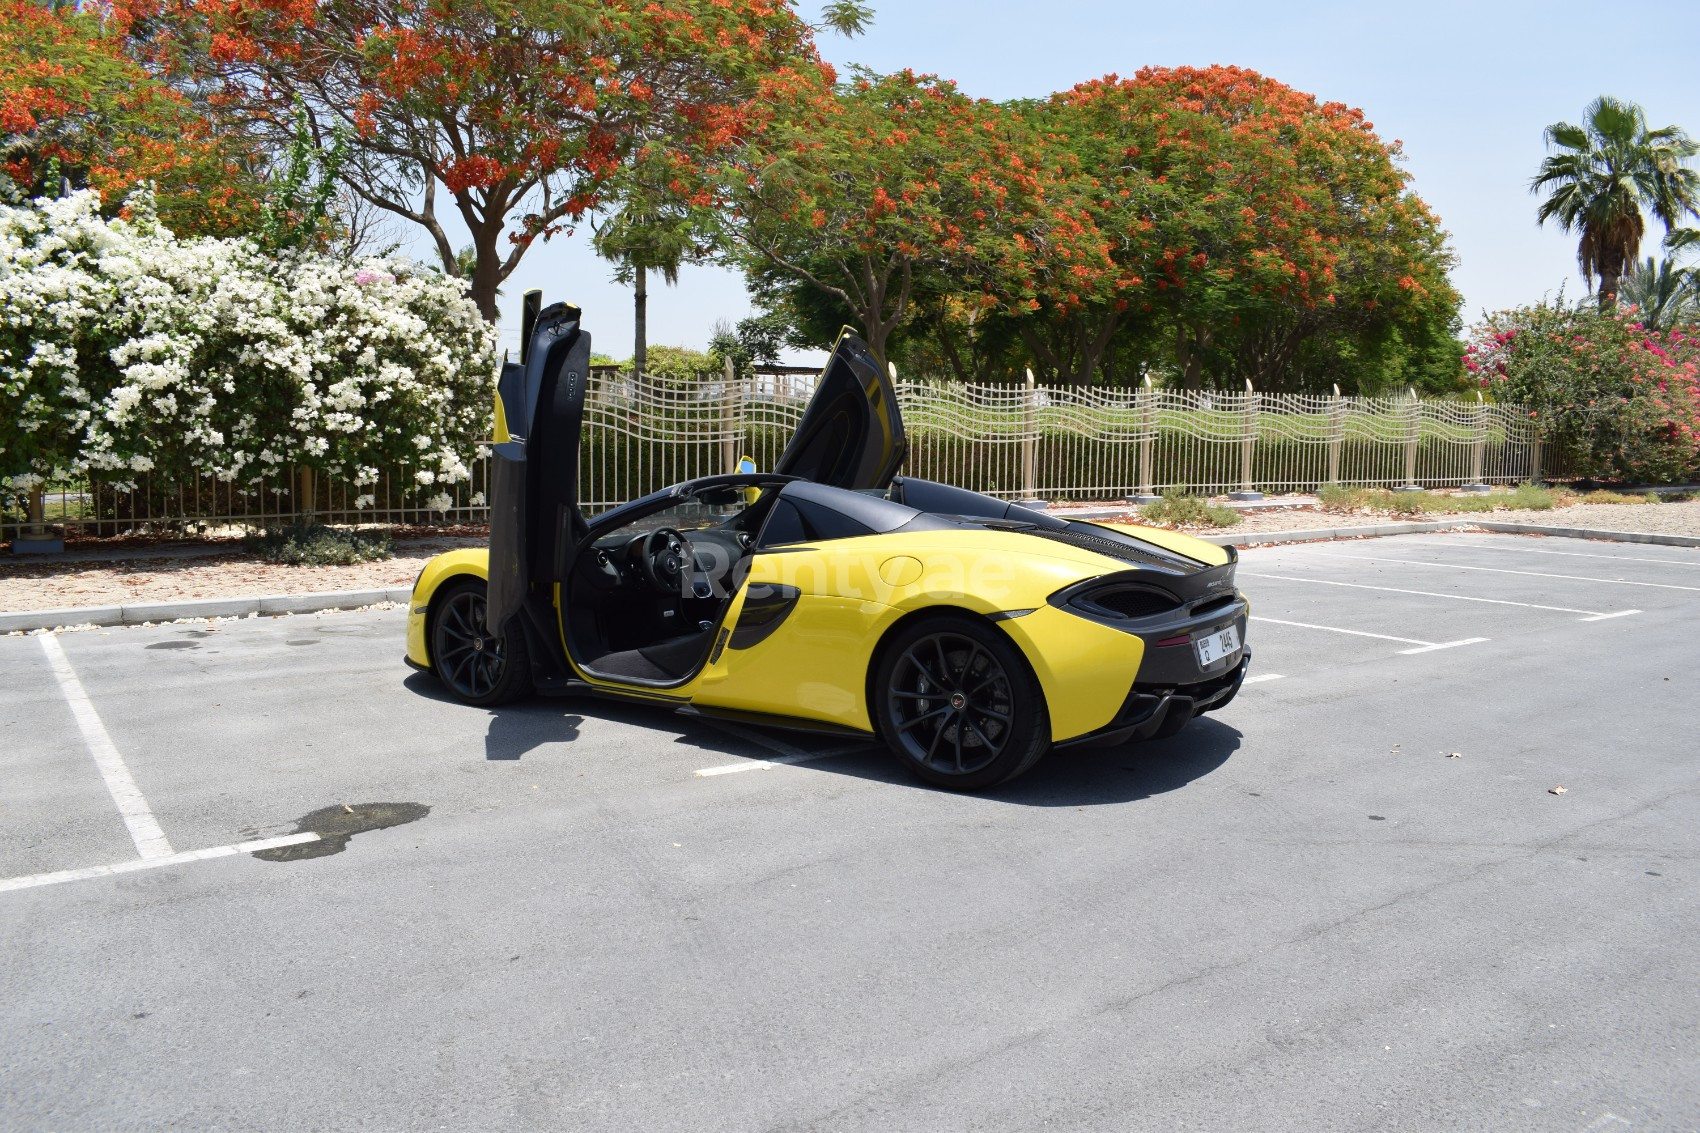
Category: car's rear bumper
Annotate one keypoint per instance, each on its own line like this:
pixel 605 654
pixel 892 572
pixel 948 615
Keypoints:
pixel 1152 709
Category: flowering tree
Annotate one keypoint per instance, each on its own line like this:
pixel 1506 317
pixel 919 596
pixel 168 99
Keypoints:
pixel 869 192
pixel 520 110
pixel 124 350
pixel 1621 397
pixel 75 107
pixel 1256 219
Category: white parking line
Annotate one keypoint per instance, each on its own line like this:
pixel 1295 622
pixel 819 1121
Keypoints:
pixel 150 840
pixel 1584 555
pixel 1337 629
pixel 1445 645
pixel 787 754
pixel 1503 570
pixel 1263 677
pixel 1435 594
pixel 34 879
pixel 1422 646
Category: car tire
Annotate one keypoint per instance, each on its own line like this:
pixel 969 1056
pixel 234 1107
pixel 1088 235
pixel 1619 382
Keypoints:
pixel 474 666
pixel 958 704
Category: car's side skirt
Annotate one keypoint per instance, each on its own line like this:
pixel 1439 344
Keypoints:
pixel 775 720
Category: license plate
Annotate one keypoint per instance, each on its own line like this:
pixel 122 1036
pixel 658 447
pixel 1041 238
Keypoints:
pixel 1218 645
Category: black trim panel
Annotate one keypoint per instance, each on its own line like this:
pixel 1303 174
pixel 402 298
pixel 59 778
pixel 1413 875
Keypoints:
pixel 766 607
pixel 773 720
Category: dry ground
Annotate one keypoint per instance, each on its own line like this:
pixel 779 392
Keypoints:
pixel 165 573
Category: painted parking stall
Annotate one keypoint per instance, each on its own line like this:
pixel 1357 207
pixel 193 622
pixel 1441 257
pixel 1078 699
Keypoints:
pixel 1322 604
pixel 1305 893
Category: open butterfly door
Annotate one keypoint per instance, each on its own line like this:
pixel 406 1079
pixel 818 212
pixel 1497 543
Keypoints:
pixel 851 433
pixel 534 514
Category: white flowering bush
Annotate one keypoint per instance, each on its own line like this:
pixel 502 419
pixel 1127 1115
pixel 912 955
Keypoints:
pixel 125 350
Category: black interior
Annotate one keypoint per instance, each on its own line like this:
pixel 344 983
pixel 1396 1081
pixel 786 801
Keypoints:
pixel 629 620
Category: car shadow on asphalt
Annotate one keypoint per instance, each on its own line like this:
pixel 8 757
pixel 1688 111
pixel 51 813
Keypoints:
pixel 1074 777
pixel 518 729
pixel 1071 777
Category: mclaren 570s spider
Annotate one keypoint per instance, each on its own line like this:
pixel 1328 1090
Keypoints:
pixel 970 634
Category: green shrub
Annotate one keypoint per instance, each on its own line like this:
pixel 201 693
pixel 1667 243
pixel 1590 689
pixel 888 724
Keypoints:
pixel 1607 497
pixel 1337 497
pixel 1189 511
pixel 314 544
pixel 1532 497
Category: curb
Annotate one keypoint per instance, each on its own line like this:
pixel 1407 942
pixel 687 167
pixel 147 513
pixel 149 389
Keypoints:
pixel 268 606
pixel 1585 533
pixel 1253 538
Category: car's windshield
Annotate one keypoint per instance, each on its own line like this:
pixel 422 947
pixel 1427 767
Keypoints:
pixel 716 506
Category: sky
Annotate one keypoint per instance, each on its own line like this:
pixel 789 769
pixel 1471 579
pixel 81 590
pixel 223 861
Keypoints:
pixel 1467 87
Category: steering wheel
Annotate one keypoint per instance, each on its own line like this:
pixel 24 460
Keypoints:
pixel 666 558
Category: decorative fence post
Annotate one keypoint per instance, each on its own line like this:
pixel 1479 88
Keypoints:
pixel 1413 425
pixel 306 494
pixel 729 422
pixel 35 538
pixel 1029 441
pixel 1146 399
pixel 1336 434
pixel 1535 450
pixel 1248 445
pixel 1477 448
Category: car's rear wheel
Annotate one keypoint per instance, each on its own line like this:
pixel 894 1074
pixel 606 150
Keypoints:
pixel 958 704
pixel 476 667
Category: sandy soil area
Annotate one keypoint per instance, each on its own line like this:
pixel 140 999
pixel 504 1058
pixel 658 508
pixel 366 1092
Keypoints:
pixel 170 574
pixel 167 573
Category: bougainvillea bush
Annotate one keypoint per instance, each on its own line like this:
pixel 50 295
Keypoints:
pixel 124 350
pixel 1620 398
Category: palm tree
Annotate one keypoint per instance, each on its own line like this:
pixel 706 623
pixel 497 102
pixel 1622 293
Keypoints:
pixel 644 237
pixel 1663 293
pixel 1603 174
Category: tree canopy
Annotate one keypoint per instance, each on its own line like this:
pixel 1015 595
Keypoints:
pixel 1600 177
pixel 76 108
pixel 521 111
pixel 1210 223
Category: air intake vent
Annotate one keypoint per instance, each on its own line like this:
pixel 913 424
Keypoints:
pixel 1129 602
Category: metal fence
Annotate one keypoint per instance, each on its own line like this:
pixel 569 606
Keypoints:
pixel 1027 442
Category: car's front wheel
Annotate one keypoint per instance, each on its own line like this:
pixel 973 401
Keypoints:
pixel 477 667
pixel 959 705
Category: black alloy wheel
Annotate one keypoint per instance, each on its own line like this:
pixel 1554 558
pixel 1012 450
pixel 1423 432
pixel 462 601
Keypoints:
pixel 959 706
pixel 476 666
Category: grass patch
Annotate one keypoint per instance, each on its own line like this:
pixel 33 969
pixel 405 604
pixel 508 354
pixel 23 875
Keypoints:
pixel 1607 497
pixel 1337 497
pixel 1189 511
pixel 314 544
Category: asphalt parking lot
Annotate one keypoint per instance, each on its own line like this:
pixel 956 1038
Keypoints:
pixel 1302 913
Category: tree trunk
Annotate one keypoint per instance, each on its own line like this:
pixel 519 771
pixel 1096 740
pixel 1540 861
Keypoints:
pixel 1189 346
pixel 486 272
pixel 877 331
pixel 640 321
pixel 1608 289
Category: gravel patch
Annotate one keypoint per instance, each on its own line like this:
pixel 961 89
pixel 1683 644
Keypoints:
pixel 35 585
pixel 1654 519
pixel 1649 519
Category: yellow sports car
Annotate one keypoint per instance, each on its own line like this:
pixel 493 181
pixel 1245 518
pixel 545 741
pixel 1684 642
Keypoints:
pixel 970 634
